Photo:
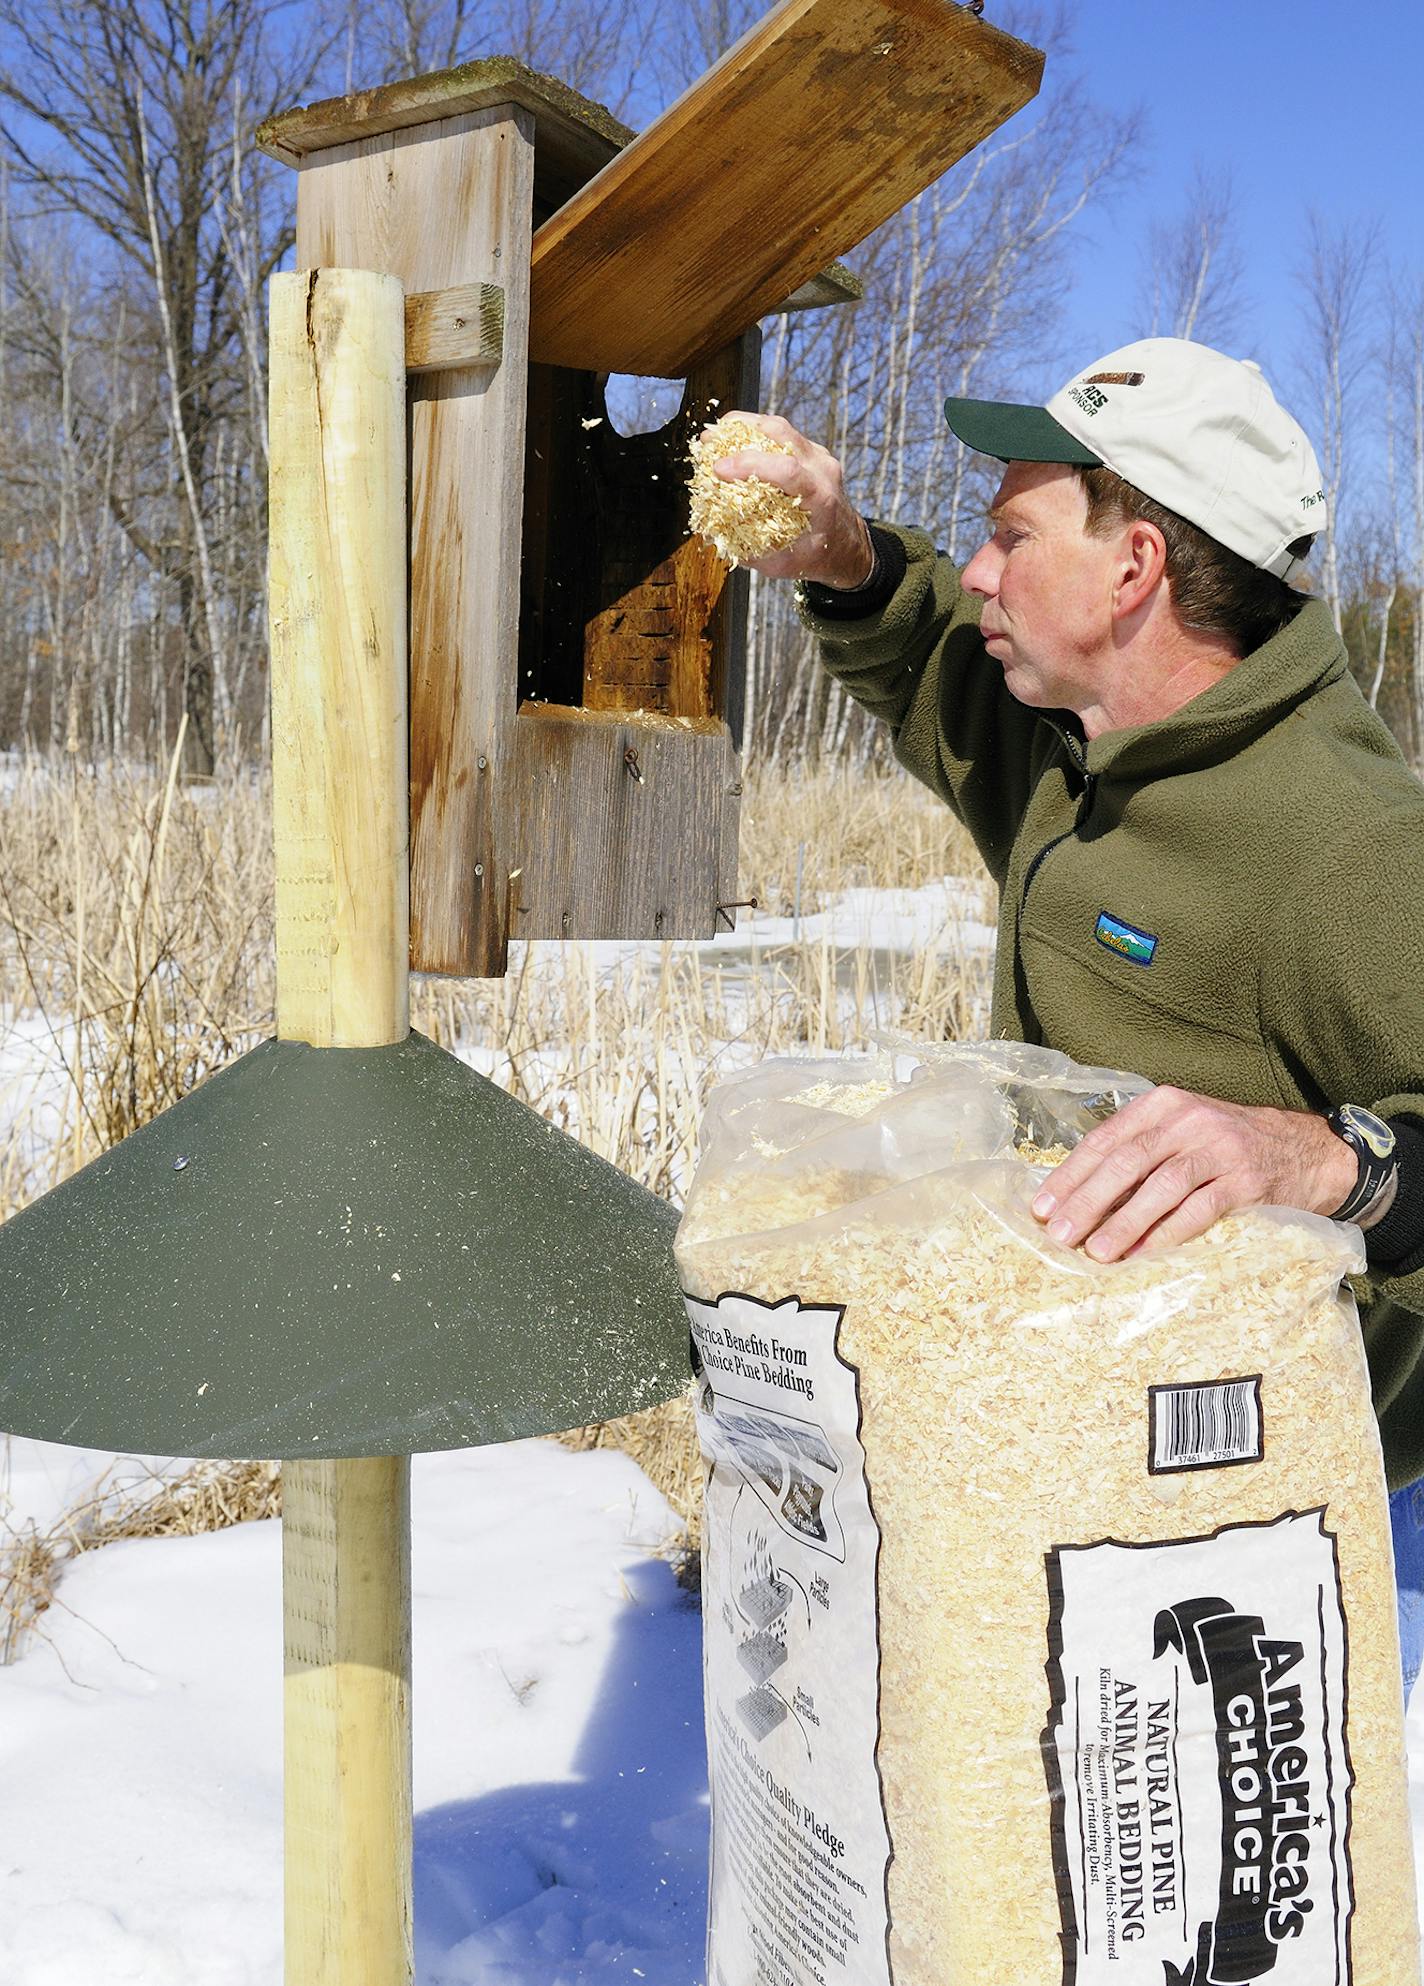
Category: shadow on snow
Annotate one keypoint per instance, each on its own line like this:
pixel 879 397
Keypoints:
pixel 602 1876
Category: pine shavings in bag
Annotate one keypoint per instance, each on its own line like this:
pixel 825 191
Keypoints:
pixel 1091 1663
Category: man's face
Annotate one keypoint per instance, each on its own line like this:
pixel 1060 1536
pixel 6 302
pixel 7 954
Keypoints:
pixel 1047 588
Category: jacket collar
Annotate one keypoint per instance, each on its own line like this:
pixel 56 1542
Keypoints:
pixel 1303 658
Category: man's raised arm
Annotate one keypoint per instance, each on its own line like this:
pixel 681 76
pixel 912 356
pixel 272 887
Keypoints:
pixel 897 629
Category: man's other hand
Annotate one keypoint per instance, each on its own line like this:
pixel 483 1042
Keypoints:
pixel 1169 1163
pixel 835 549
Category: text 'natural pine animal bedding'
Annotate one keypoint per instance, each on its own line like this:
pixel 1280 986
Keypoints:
pixel 1049 1613
pixel 747 519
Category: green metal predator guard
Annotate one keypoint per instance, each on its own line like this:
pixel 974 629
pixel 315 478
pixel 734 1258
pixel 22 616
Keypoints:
pixel 337 1252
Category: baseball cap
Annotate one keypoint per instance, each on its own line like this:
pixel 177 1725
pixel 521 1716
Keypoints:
pixel 1193 429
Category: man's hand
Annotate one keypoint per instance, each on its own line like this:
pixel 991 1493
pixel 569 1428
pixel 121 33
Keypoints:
pixel 835 549
pixel 1169 1163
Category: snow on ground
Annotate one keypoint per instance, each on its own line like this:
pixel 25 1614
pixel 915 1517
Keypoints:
pixel 560 1785
pixel 943 915
pixel 560 1780
pixel 36 1093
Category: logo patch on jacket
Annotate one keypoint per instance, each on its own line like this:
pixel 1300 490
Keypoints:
pixel 1125 939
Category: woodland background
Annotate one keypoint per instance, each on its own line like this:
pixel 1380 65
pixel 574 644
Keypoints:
pixel 138 228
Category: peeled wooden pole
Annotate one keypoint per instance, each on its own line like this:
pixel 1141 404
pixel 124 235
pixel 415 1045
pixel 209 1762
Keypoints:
pixel 340 806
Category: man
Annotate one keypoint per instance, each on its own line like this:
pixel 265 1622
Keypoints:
pixel 1208 846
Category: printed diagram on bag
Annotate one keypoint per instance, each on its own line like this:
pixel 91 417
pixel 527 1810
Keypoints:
pixel 787 1463
pixel 790 1609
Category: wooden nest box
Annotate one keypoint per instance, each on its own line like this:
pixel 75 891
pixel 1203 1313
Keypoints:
pixel 577 660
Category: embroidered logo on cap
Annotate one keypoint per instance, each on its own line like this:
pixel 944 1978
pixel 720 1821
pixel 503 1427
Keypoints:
pixel 1125 939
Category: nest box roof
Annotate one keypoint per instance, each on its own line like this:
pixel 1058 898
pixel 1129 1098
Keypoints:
pixel 574 137
pixel 822 122
pixel 337 1252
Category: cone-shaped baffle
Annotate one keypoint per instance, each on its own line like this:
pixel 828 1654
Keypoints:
pixel 332 1251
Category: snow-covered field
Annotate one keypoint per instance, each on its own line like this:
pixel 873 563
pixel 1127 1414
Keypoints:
pixel 560 1784
pixel 560 1780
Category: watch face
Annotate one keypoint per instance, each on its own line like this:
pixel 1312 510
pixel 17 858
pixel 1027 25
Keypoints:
pixel 1373 1131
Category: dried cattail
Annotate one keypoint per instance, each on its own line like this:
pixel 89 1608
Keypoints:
pixel 744 520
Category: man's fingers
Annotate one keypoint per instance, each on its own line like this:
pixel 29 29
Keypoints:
pixel 1129 1189
pixel 1108 1164
pixel 781 470
pixel 1193 1217
pixel 1155 1204
pixel 1144 1118
pixel 1170 1163
pixel 776 424
pixel 1111 1182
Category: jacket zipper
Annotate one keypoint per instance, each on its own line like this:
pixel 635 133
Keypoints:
pixel 1085 807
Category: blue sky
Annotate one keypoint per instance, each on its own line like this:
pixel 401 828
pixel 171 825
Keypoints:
pixel 1307 104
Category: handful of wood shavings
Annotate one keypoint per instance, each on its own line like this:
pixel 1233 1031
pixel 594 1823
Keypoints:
pixel 744 520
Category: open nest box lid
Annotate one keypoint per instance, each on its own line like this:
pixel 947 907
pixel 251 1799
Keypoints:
pixel 822 121
pixel 337 1252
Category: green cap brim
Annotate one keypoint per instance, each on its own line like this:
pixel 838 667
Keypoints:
pixel 1016 434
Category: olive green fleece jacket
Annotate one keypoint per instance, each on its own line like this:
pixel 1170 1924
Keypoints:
pixel 1230 900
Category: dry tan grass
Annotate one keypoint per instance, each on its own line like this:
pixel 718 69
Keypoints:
pixel 849 828
pixel 136 936
pixel 207 1496
pixel 136 924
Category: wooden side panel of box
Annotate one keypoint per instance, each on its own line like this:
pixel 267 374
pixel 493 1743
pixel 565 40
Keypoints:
pixel 443 205
pixel 625 826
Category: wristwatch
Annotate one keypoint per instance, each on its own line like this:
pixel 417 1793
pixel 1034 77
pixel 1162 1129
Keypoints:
pixel 1372 1142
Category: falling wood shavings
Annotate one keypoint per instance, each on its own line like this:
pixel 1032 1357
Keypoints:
pixel 743 520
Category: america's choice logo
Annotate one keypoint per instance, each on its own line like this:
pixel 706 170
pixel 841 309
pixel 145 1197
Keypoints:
pixel 1125 939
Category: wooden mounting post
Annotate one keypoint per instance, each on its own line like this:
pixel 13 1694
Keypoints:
pixel 448 206
pixel 339 752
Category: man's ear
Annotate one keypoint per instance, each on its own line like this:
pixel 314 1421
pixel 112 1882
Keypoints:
pixel 1142 566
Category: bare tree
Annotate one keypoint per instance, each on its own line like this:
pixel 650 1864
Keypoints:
pixel 588 46
pixel 1194 271
pixel 128 118
pixel 693 34
pixel 1414 382
pixel 1400 649
pixel 1335 283
pixel 68 567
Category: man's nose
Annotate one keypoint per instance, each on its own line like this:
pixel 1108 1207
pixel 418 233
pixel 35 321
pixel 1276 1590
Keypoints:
pixel 980 576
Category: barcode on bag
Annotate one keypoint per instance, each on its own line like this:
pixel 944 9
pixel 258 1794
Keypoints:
pixel 1210 1426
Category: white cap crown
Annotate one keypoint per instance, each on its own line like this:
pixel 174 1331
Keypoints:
pixel 1203 434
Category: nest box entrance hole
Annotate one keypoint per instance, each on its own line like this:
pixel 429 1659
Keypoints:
pixel 620 609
